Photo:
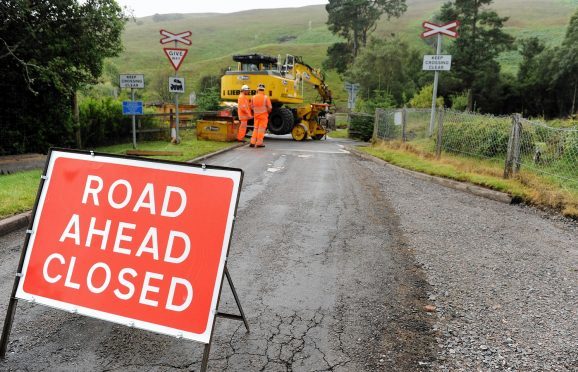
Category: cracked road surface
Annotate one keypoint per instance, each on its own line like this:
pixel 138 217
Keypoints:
pixel 323 272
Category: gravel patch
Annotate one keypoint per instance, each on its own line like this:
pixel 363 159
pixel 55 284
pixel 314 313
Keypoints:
pixel 504 278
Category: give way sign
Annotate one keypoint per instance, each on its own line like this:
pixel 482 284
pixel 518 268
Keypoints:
pixel 136 242
pixel 176 56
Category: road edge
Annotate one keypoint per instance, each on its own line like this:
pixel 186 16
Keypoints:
pixel 461 186
pixel 12 223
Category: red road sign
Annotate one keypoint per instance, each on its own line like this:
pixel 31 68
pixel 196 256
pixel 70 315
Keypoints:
pixel 179 38
pixel 448 29
pixel 131 241
pixel 176 56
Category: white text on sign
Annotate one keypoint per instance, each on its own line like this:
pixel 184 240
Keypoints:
pixel 120 195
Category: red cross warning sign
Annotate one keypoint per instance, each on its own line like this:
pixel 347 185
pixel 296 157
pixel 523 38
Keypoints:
pixel 176 56
pixel 448 29
pixel 131 241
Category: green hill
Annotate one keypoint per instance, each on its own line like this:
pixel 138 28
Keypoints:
pixel 302 31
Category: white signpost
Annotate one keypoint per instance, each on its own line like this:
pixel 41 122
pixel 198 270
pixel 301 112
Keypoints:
pixel 176 56
pixel 448 29
pixel 132 81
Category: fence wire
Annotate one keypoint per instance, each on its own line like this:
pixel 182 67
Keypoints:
pixel 534 146
pixel 552 151
pixel 483 136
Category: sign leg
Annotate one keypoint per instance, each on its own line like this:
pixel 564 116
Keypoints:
pixel 205 362
pixel 7 326
pixel 236 298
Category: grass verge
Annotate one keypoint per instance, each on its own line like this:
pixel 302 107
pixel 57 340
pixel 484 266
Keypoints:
pixel 190 147
pixel 526 186
pixel 18 190
pixel 338 133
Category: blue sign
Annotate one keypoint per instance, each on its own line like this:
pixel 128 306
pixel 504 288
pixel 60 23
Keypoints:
pixel 132 108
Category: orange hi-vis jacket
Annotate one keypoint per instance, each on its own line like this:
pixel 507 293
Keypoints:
pixel 244 107
pixel 261 105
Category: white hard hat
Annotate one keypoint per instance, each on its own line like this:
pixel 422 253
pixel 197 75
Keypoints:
pixel 261 87
pixel 245 87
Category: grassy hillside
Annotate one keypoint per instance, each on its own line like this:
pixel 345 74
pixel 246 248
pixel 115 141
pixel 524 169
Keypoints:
pixel 302 31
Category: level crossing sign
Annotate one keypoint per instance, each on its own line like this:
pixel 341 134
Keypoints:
pixel 176 84
pixel 182 37
pixel 137 242
pixel 448 29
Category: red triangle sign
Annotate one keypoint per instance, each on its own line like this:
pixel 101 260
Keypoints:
pixel 176 56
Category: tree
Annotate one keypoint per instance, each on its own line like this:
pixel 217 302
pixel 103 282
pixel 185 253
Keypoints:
pixel 355 19
pixel 48 50
pixel 339 57
pixel 480 41
pixel 566 78
pixel 388 66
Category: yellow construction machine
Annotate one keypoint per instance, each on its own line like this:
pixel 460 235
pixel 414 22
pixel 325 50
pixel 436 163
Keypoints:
pixel 284 84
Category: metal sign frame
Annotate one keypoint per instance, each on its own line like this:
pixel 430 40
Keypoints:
pixel 57 153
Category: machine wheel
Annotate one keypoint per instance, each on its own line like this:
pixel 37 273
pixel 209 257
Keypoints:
pixel 299 132
pixel 280 121
pixel 317 137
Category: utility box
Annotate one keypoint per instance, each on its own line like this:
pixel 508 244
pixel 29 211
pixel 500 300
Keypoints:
pixel 217 130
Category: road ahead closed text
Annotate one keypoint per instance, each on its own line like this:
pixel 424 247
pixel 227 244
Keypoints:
pixel 133 243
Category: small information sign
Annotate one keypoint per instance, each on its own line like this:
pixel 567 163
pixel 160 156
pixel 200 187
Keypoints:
pixel 132 108
pixel 438 62
pixel 176 84
pixel 132 81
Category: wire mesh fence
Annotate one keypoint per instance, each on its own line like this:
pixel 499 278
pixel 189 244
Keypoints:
pixel 515 142
pixel 552 151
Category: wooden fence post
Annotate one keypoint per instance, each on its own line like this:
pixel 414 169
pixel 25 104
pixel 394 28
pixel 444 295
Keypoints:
pixel 513 154
pixel 375 124
pixel 516 161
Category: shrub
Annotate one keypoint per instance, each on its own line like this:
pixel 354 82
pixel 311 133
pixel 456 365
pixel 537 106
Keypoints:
pixel 459 101
pixel 361 126
pixel 102 122
pixel 422 99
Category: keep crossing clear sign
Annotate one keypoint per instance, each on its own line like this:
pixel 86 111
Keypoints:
pixel 132 81
pixel 437 62
pixel 131 241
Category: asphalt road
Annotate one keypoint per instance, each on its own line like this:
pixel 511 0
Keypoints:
pixel 324 274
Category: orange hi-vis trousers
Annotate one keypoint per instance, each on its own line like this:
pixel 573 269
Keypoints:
pixel 242 130
pixel 259 129
pixel 244 106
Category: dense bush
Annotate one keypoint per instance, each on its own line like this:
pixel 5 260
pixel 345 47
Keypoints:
pixel 361 126
pixel 102 122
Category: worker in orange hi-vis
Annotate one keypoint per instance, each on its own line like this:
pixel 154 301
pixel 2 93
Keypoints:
pixel 261 105
pixel 244 111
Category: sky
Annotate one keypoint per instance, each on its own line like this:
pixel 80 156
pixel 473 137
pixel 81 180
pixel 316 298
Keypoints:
pixel 143 8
